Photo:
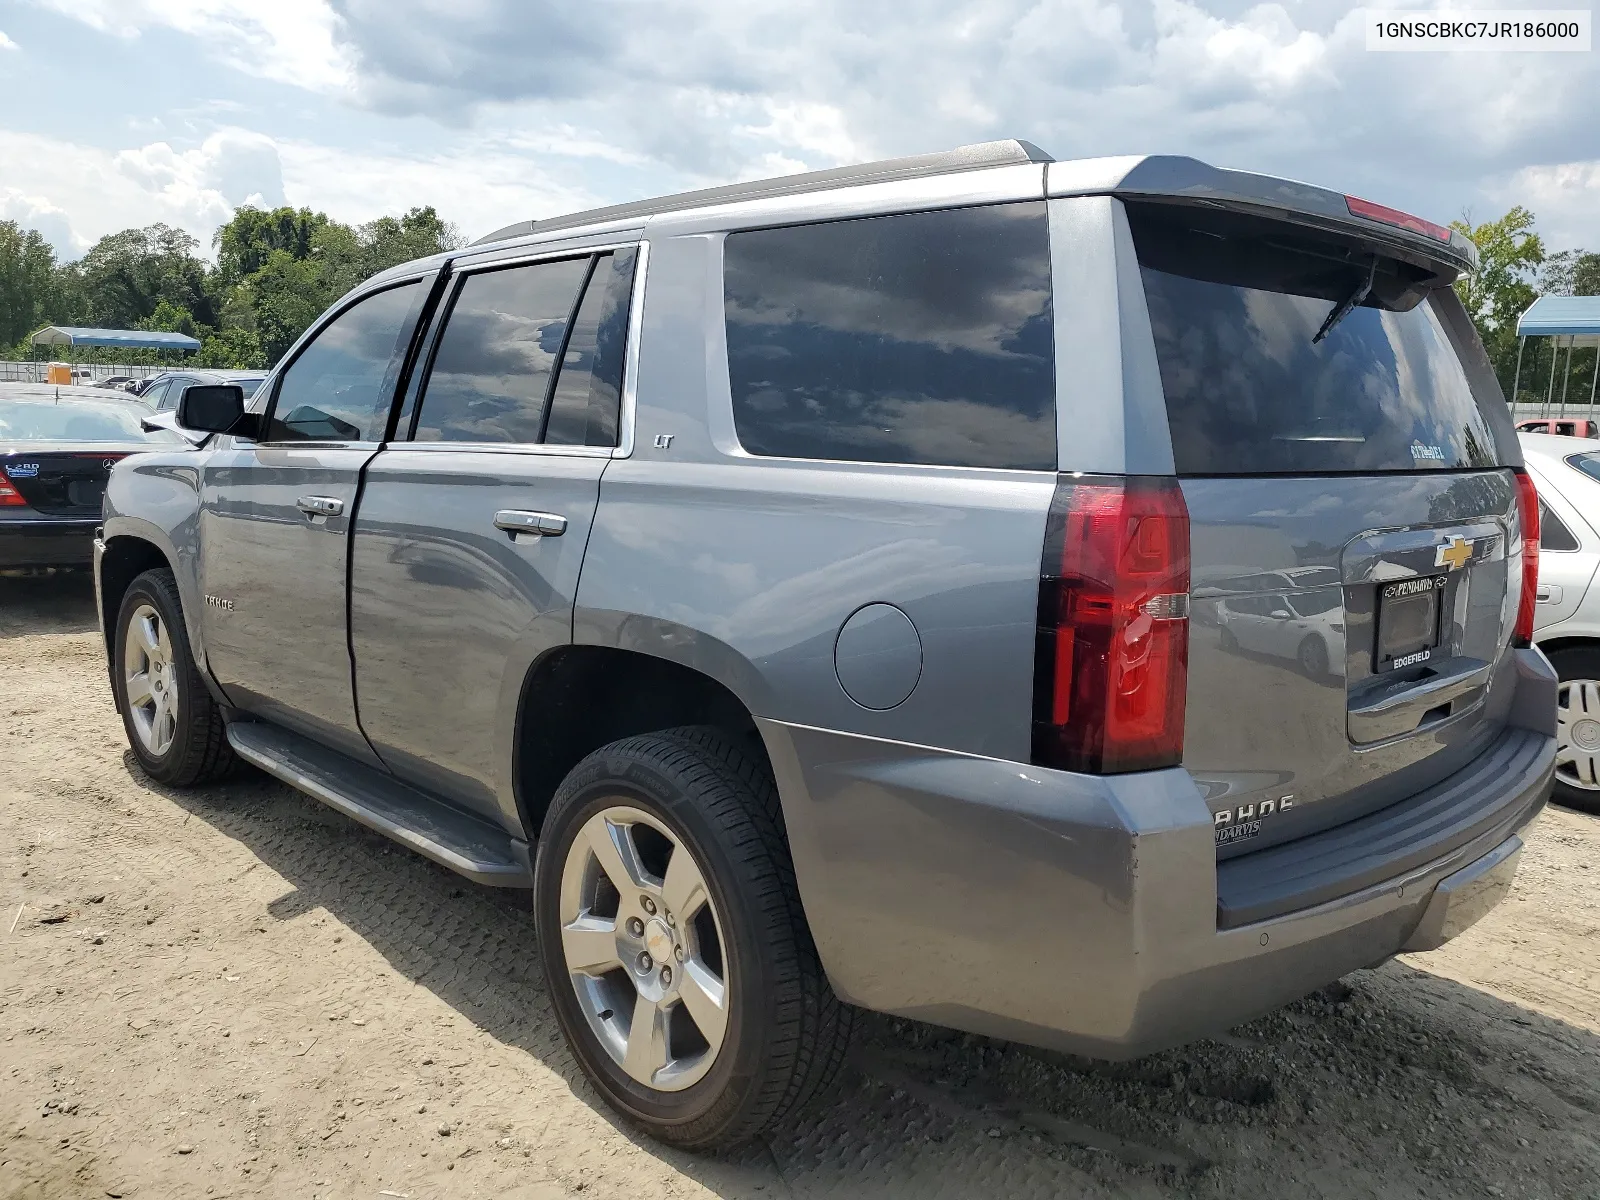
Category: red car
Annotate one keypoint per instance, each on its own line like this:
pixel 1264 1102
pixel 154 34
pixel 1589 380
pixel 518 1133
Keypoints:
pixel 1566 426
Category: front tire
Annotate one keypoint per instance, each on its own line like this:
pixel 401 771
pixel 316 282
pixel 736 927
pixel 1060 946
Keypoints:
pixel 1578 727
pixel 1313 656
pixel 679 963
pixel 173 725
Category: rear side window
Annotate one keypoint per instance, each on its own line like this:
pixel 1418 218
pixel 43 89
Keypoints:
pixel 532 353
pixel 1588 463
pixel 1553 533
pixel 923 338
pixel 1235 305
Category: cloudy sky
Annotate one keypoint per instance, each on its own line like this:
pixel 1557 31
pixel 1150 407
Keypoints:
pixel 121 112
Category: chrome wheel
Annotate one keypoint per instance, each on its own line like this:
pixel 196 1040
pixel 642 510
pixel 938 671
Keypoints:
pixel 150 680
pixel 644 949
pixel 1578 733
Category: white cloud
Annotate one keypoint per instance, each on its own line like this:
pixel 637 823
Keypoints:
pixel 6 43
pixel 291 41
pixel 1564 196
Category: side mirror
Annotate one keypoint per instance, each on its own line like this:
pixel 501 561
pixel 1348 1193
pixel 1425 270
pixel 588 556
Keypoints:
pixel 1280 614
pixel 212 407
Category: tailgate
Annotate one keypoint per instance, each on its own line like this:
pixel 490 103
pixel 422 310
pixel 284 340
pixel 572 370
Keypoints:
pixel 1355 545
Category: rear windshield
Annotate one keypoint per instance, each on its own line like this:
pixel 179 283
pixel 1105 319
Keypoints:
pixel 1235 306
pixel 76 421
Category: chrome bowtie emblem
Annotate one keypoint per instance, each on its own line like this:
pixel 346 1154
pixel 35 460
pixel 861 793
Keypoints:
pixel 1453 553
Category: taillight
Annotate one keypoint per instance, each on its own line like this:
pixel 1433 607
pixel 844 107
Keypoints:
pixel 1528 513
pixel 1393 216
pixel 9 496
pixel 1112 648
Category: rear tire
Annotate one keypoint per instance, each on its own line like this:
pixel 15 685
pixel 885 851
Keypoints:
pixel 1578 752
pixel 702 1074
pixel 173 725
pixel 1314 657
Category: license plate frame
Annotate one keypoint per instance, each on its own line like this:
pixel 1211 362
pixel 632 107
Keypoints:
pixel 1410 615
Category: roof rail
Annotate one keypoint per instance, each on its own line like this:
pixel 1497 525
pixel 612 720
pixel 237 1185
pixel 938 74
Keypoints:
pixel 963 158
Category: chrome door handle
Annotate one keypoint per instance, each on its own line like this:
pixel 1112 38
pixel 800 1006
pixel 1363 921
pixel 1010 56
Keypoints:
pixel 320 506
pixel 541 524
pixel 1549 593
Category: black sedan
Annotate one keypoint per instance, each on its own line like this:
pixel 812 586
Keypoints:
pixel 57 448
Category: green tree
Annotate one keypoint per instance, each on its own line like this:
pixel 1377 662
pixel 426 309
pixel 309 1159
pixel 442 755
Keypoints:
pixel 125 276
pixel 231 347
pixel 1503 286
pixel 288 294
pixel 27 282
pixel 172 318
pixel 1571 273
pixel 245 243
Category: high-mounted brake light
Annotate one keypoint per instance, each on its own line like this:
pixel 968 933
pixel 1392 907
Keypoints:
pixel 1393 216
pixel 9 496
pixel 1528 513
pixel 1112 647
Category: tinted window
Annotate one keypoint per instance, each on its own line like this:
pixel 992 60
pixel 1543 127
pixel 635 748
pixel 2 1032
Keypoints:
pixel 1553 535
pixel 491 372
pixel 1310 604
pixel 1589 464
pixel 923 338
pixel 1235 306
pixel 153 394
pixel 584 406
pixel 340 386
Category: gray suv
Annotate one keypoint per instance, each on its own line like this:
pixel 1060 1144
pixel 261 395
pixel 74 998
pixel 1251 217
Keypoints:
pixel 1084 603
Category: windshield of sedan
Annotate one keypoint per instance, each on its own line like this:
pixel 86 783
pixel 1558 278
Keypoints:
pixel 76 421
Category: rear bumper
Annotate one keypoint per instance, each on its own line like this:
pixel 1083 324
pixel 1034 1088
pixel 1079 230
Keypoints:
pixel 47 542
pixel 1082 913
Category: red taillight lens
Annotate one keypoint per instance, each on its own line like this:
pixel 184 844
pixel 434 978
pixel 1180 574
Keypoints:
pixel 1528 512
pixel 1112 658
pixel 9 496
pixel 1393 216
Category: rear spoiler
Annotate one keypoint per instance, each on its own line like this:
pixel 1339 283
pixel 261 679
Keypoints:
pixel 1180 180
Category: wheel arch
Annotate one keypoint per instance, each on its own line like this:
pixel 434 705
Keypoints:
pixel 124 559
pixel 578 698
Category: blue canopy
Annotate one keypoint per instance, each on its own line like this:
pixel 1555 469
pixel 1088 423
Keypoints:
pixel 1561 316
pixel 124 339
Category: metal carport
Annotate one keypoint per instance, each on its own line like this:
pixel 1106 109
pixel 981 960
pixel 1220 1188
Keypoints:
pixel 1569 321
pixel 123 339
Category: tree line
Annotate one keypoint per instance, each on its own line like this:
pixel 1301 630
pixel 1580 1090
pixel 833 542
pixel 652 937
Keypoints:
pixel 1514 270
pixel 274 272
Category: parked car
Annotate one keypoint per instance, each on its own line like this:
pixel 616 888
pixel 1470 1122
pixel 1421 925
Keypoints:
pixel 1567 620
pixel 118 383
pixel 791 583
pixel 1298 617
pixel 1564 427
pixel 57 447
pixel 161 392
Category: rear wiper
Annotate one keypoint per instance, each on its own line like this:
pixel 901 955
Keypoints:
pixel 1342 309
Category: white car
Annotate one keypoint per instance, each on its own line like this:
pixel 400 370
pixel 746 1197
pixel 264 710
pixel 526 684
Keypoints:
pixel 1301 619
pixel 1566 471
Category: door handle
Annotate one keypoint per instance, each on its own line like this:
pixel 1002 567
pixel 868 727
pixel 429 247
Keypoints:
pixel 539 524
pixel 320 506
pixel 1549 593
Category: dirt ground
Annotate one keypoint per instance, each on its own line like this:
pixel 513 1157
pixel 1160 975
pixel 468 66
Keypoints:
pixel 238 992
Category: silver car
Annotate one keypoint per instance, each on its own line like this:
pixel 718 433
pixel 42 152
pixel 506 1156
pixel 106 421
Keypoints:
pixel 819 593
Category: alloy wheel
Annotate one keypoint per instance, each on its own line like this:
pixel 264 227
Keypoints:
pixel 644 948
pixel 150 680
pixel 1578 733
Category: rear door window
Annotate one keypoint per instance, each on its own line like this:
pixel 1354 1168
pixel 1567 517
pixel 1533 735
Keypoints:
pixel 1553 533
pixel 922 338
pixel 1236 306
pixel 532 353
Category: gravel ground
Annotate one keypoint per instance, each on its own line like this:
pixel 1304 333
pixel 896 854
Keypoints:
pixel 237 992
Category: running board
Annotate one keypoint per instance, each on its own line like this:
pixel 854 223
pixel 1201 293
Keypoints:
pixel 465 843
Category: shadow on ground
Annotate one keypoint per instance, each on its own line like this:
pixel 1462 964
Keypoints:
pixel 47 604
pixel 1391 1083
